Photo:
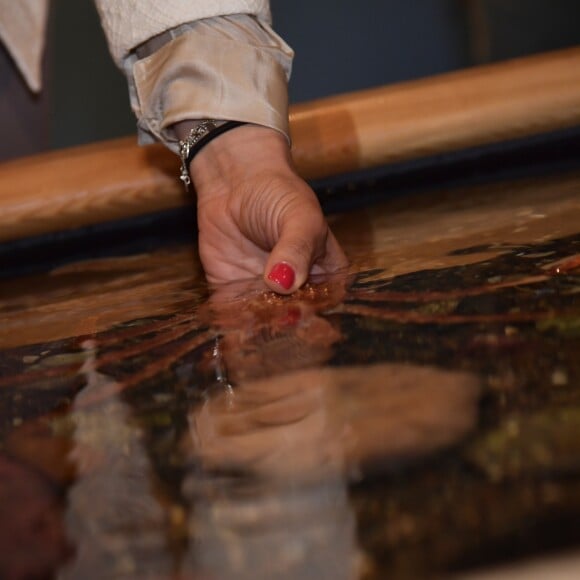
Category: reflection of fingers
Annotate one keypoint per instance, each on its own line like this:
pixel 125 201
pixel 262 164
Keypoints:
pixel 277 450
pixel 243 414
pixel 334 258
pixel 289 411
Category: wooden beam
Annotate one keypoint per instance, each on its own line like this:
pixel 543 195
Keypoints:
pixel 116 179
pixel 451 112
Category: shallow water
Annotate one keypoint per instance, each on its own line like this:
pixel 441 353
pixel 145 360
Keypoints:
pixel 416 416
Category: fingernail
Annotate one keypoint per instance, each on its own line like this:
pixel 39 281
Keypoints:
pixel 282 274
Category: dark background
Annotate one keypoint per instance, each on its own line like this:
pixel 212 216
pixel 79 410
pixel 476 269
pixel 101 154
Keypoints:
pixel 340 45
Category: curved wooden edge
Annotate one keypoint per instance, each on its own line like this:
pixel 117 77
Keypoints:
pixel 450 112
pixel 86 185
pixel 117 179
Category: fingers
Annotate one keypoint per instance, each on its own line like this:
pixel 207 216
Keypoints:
pixel 302 243
pixel 253 207
pixel 334 258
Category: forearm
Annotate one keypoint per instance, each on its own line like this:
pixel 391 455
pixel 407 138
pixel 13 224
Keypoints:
pixel 255 215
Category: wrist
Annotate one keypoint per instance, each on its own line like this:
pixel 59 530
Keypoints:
pixel 238 155
pixel 199 136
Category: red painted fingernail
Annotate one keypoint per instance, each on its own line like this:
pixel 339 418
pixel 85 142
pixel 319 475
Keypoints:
pixel 282 274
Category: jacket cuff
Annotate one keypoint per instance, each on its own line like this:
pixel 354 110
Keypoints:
pixel 230 68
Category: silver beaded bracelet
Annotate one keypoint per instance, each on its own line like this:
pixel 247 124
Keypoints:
pixel 199 137
pixel 185 146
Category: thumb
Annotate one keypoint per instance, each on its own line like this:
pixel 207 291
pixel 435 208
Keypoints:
pixel 301 243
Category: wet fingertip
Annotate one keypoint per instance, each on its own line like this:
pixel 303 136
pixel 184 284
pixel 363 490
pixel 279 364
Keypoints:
pixel 283 275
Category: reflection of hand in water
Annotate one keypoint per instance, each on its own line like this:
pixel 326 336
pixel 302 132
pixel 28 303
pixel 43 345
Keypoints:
pixel 263 334
pixel 285 418
pixel 298 436
pixel 278 428
pixel 318 421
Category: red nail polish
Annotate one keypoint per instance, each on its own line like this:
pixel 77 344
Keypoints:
pixel 282 274
pixel 291 318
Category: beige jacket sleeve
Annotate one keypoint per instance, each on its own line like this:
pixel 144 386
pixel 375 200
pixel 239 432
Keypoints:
pixel 217 59
pixel 229 68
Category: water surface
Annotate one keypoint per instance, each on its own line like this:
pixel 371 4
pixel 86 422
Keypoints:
pixel 418 415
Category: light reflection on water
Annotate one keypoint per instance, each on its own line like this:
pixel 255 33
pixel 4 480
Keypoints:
pixel 265 471
pixel 367 427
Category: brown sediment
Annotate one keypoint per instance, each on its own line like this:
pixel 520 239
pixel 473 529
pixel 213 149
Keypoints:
pixel 418 318
pixel 146 327
pixel 148 372
pixel 565 265
pixel 177 331
pixel 389 296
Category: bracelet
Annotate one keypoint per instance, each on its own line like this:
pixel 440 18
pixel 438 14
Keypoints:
pixel 197 139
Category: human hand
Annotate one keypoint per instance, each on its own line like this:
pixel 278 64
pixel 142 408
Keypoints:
pixel 256 216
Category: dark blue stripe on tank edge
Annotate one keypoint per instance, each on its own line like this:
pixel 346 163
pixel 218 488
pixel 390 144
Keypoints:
pixel 534 156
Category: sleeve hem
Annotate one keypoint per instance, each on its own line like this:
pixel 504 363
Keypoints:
pixel 225 80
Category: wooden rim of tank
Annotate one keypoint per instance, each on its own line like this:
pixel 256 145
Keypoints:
pixel 117 179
